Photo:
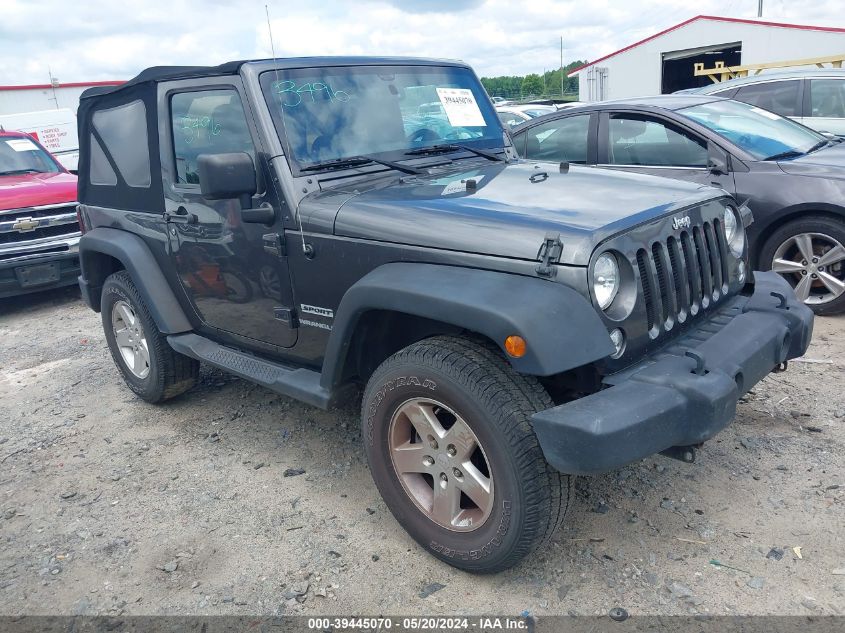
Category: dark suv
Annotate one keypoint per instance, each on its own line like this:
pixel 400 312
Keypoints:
pixel 307 225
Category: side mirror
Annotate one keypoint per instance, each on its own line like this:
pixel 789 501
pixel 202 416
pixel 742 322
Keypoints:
pixel 226 176
pixel 717 160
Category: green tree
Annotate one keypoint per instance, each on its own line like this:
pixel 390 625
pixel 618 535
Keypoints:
pixel 532 85
pixel 514 87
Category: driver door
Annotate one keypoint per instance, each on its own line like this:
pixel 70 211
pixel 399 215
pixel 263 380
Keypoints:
pixel 232 271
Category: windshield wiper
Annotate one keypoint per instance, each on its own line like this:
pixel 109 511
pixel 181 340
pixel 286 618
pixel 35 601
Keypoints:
pixel 790 153
pixel 357 161
pixel 16 172
pixel 819 145
pixel 451 147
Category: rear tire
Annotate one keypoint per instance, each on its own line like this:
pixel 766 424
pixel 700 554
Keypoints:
pixel 148 364
pixel 791 251
pixel 467 387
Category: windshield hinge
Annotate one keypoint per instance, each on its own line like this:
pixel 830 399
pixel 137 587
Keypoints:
pixel 549 254
pixel 274 243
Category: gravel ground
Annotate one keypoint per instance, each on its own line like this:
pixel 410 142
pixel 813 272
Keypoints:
pixel 234 500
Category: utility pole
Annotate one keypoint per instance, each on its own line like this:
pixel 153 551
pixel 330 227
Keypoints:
pixel 561 64
pixel 759 8
pixel 54 83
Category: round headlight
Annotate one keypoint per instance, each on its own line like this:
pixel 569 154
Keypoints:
pixel 730 224
pixel 734 232
pixel 605 279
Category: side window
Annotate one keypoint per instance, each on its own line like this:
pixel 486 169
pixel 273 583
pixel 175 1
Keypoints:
pixel 123 130
pixel 559 140
pixel 727 93
pixel 638 140
pixel 207 122
pixel 780 97
pixel 827 98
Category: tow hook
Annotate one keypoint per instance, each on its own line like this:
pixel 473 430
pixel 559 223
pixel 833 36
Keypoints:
pixel 684 454
pixel 699 363
pixel 782 305
pixel 781 367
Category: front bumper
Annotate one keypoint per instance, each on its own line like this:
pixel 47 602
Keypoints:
pixel 674 399
pixel 64 253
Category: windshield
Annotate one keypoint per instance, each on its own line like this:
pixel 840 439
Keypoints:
pixel 761 133
pixel 339 112
pixel 19 155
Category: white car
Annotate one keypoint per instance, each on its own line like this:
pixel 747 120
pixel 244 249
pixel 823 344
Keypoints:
pixel 569 104
pixel 513 115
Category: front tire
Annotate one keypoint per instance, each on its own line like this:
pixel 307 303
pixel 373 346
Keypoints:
pixel 810 254
pixel 150 367
pixel 446 427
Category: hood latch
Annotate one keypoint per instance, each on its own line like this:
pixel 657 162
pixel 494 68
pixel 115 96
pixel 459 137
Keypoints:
pixel 550 252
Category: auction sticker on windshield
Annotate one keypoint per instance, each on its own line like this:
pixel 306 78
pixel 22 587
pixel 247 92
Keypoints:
pixel 22 145
pixel 461 107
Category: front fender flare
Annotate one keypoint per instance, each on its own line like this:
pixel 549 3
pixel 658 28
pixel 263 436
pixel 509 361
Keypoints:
pixel 136 257
pixel 560 326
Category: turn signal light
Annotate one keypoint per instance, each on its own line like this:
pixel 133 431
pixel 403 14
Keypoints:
pixel 515 346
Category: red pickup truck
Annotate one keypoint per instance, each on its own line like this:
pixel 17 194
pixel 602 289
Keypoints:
pixel 39 230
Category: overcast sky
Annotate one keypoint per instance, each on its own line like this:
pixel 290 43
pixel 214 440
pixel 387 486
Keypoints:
pixel 91 40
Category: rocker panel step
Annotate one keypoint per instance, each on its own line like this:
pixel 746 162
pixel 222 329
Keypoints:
pixel 301 384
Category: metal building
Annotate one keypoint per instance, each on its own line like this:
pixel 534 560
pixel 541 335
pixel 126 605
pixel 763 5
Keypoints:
pixel 32 98
pixel 664 62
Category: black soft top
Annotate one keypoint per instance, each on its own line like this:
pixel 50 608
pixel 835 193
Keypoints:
pixel 119 153
pixel 166 73
pixel 119 160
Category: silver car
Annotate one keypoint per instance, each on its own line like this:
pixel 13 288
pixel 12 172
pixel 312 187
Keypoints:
pixel 814 97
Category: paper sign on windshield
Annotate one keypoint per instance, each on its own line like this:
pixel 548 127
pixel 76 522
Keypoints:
pixel 461 108
pixel 22 145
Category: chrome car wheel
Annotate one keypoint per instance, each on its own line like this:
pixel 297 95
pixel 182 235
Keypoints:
pixel 441 464
pixel 814 264
pixel 130 339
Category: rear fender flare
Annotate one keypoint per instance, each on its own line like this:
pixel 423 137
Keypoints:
pixel 136 257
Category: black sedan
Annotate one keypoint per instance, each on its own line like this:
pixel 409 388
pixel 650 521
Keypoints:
pixel 791 177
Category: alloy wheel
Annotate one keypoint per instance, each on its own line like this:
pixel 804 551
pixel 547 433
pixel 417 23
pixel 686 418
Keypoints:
pixel 130 339
pixel 814 263
pixel 441 464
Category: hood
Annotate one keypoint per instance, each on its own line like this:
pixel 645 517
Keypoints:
pixel 33 190
pixel 824 163
pixel 511 209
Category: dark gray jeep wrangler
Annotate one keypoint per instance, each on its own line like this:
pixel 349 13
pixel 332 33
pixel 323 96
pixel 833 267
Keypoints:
pixel 317 224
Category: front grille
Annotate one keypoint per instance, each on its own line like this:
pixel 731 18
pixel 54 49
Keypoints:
pixel 680 276
pixel 37 212
pixel 52 221
pixel 59 230
pixel 62 248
